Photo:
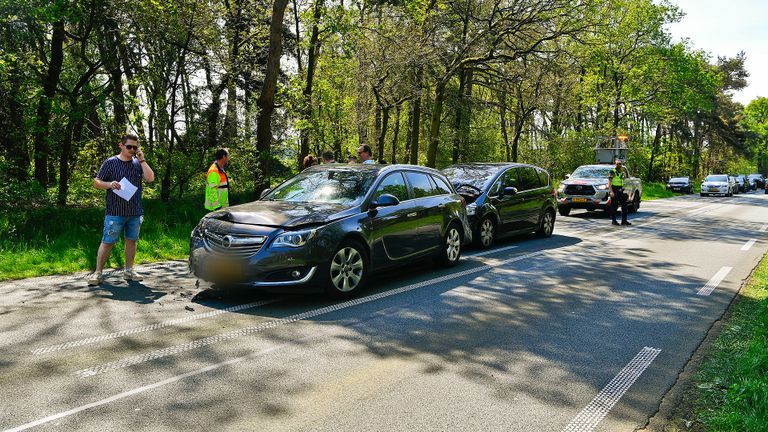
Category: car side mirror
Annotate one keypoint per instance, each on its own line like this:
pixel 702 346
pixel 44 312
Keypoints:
pixel 264 193
pixel 385 200
pixel 509 190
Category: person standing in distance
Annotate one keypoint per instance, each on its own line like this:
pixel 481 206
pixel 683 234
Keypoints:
pixel 616 186
pixel 217 182
pixel 365 154
pixel 122 216
pixel 328 157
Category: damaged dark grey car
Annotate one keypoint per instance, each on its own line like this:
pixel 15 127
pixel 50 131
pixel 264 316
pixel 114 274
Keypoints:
pixel 330 226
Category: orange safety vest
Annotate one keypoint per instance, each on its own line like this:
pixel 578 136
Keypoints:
pixel 216 188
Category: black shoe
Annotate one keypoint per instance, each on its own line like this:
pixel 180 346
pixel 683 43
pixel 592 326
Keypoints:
pixel 626 223
pixel 614 222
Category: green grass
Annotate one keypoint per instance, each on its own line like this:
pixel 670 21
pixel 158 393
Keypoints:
pixel 37 242
pixel 656 190
pixel 730 390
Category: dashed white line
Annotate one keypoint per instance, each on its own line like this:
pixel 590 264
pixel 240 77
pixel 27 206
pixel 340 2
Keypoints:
pixel 599 407
pixel 748 244
pixel 119 334
pixel 491 251
pixel 177 349
pixel 763 228
pixel 714 282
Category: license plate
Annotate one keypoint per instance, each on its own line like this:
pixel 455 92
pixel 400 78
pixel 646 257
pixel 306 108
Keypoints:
pixel 579 200
pixel 714 189
pixel 224 269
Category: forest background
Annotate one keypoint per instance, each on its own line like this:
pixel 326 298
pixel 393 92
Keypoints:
pixel 429 82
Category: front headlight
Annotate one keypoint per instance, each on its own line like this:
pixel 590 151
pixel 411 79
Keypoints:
pixel 561 187
pixel 294 238
pixel 602 187
pixel 471 209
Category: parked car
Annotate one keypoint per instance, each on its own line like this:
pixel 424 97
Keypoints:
pixel 680 184
pixel 716 184
pixel 504 198
pixel 331 226
pixel 734 185
pixel 758 179
pixel 743 182
pixel 587 188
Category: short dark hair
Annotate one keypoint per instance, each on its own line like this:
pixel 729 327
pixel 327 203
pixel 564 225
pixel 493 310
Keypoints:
pixel 220 153
pixel 367 149
pixel 129 136
pixel 328 155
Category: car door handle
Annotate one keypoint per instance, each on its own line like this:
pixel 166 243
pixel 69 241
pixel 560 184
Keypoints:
pixel 412 214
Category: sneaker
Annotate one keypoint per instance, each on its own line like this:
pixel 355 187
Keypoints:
pixel 614 223
pixel 626 223
pixel 131 275
pixel 95 279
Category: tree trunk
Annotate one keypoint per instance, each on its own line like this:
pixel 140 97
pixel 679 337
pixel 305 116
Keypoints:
pixel 109 53
pixel 416 118
pixel 314 49
pixel 654 150
pixel 383 132
pixel 233 25
pixel 434 126
pixel 41 145
pixel 266 101
pixel 396 133
pixel 503 115
pixel 12 141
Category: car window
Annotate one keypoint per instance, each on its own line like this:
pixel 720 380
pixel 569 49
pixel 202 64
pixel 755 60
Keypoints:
pixel 512 179
pixel 528 178
pixel 442 186
pixel 716 178
pixel 543 177
pixel 393 184
pixel 590 171
pixel 421 185
pixel 324 186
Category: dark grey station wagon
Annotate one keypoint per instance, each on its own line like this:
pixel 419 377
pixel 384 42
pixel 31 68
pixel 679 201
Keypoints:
pixel 330 226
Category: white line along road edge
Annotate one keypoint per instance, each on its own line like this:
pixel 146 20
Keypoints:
pixel 151 327
pixel 596 410
pixel 199 343
pixel 763 228
pixel 714 282
pixel 748 244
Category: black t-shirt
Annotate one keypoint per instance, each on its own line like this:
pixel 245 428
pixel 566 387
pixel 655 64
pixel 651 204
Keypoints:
pixel 114 169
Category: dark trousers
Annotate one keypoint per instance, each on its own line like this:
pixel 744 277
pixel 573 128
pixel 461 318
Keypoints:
pixel 618 197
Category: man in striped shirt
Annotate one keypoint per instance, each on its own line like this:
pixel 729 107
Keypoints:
pixel 122 216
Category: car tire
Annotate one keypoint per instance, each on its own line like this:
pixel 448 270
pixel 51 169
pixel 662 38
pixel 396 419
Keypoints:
pixel 703 194
pixel 547 224
pixel 635 206
pixel 345 274
pixel 450 247
pixel 486 232
pixel 564 211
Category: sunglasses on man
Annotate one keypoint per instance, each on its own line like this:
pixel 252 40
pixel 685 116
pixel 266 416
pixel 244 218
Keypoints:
pixel 131 147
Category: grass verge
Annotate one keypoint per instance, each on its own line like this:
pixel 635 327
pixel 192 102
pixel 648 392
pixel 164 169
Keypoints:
pixel 45 241
pixel 729 392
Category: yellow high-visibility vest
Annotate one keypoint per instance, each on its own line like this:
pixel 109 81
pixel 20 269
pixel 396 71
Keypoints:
pixel 216 188
pixel 618 177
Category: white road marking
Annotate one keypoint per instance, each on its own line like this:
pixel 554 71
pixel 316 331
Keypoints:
pixel 714 282
pixel 177 349
pixel 748 244
pixel 153 386
pixel 491 251
pixel 119 334
pixel 763 228
pixel 596 410
pixel 704 209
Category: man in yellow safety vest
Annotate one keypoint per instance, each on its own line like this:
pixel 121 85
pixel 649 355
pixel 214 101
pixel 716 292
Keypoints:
pixel 217 182
pixel 616 186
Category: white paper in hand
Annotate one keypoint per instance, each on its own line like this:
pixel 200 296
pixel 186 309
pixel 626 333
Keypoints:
pixel 127 189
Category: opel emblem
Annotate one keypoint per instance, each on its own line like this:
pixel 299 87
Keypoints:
pixel 227 241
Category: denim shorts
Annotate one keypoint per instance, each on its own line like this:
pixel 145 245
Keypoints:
pixel 114 225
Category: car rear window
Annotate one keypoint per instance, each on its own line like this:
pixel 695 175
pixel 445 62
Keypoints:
pixel 442 185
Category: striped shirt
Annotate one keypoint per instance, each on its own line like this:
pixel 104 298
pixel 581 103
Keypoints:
pixel 114 169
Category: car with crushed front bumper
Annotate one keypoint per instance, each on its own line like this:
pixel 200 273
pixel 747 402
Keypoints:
pixel 587 188
pixel 504 198
pixel 331 226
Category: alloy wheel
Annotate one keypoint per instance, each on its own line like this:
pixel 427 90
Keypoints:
pixel 452 244
pixel 486 232
pixel 548 224
pixel 347 269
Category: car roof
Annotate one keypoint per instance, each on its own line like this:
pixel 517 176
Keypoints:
pixel 376 168
pixel 491 165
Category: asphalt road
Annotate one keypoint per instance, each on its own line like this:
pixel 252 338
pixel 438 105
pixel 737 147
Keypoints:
pixel 583 331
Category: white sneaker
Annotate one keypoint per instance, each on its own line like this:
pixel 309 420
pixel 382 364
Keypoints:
pixel 95 279
pixel 131 275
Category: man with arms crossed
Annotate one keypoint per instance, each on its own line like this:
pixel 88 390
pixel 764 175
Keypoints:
pixel 122 216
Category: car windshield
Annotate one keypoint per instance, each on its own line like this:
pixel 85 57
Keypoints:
pixel 679 179
pixel 716 178
pixel 476 175
pixel 755 176
pixel 592 171
pixel 337 186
